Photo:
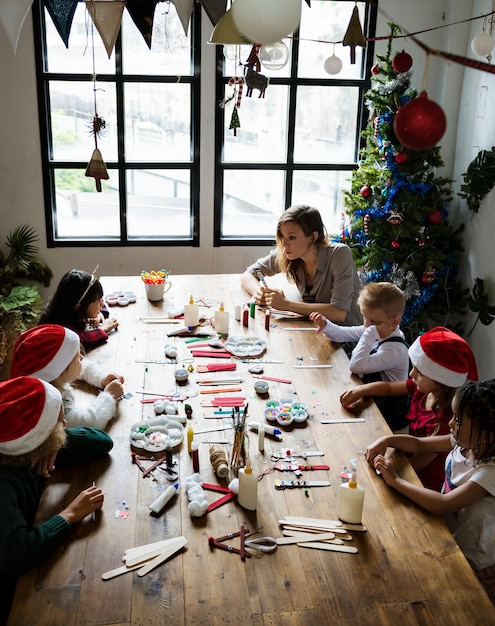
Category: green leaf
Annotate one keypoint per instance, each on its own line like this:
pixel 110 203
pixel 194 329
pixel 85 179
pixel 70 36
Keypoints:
pixel 20 297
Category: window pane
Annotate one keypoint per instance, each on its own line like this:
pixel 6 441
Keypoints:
pixel 78 57
pixel 82 212
pixel 262 136
pixel 252 202
pixel 327 21
pixel 158 122
pixel 170 53
pixel 325 191
pixel 159 203
pixel 72 111
pixel 326 129
pixel 236 56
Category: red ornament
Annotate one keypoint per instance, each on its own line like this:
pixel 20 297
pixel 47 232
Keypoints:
pixel 428 276
pixel 366 191
pixel 375 70
pixel 435 217
pixel 396 243
pixel 400 157
pixel 402 62
pixel 420 124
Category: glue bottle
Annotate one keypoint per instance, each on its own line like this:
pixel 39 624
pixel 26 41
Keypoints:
pixel 190 437
pixel 222 321
pixel 191 313
pixel 248 487
pixel 351 497
pixel 163 498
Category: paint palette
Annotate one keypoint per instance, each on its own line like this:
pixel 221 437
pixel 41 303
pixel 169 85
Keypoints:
pixel 154 434
pixel 285 411
pixel 245 346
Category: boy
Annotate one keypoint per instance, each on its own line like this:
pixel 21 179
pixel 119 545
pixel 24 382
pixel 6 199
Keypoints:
pixel 381 352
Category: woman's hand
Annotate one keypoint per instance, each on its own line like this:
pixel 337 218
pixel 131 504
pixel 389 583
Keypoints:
pixel 89 500
pixel 274 298
pixel 377 448
pixel 318 320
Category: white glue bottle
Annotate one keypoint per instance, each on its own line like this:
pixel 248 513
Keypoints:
pixel 163 498
pixel 222 321
pixel 351 497
pixel 191 313
pixel 248 487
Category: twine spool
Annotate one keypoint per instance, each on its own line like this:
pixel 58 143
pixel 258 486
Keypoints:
pixel 219 462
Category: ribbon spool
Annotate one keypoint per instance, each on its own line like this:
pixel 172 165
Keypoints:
pixel 219 462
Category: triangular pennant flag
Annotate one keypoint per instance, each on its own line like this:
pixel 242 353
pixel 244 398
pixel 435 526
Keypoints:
pixel 143 14
pixel 62 14
pixel 107 17
pixel 184 11
pixel 214 9
pixel 12 16
pixel 97 169
pixel 354 35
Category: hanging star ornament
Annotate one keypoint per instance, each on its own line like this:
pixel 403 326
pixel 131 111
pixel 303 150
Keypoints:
pixel 354 35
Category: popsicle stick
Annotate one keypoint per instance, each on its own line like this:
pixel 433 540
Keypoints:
pixel 146 548
pixel 310 521
pixel 358 527
pixel 144 556
pixel 180 542
pixel 225 390
pixel 284 541
pixel 299 532
pixel 119 571
pixel 312 367
pixel 320 545
pixel 343 420
pixel 315 529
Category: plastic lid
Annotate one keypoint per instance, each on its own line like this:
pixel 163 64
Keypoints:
pixel 353 481
pixel 221 306
pixel 191 299
pixel 248 469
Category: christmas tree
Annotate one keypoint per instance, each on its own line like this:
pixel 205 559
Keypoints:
pixel 397 208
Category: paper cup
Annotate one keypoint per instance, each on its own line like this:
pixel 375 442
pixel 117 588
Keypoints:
pixel 155 291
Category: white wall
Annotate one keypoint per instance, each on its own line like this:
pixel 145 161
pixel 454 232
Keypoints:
pixel 465 94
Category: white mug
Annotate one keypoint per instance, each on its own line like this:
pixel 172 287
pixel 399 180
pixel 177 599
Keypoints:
pixel 155 291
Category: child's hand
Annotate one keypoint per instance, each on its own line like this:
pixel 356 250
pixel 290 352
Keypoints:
pixel 112 376
pixel 377 448
pixel 110 324
pixel 94 322
pixel 46 465
pixel 318 320
pixel 89 500
pixel 115 388
pixel 350 396
pixel 386 469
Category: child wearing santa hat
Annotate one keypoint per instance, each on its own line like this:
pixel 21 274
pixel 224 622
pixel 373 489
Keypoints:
pixel 31 430
pixel 442 361
pixel 53 353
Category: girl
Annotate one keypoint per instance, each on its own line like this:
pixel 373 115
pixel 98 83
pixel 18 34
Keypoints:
pixel 78 304
pixel 324 272
pixel 53 353
pixel 442 361
pixel 469 487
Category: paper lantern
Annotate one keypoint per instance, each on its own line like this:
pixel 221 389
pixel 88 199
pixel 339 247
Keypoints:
pixel 420 124
pixel 274 56
pixel 266 21
pixel 482 44
pixel 402 62
pixel 332 65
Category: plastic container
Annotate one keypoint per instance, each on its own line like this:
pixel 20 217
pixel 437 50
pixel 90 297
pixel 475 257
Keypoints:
pixel 222 321
pixel 248 487
pixel 191 313
pixel 351 499
pixel 163 498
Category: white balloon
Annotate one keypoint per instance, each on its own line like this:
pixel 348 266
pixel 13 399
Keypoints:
pixel 482 44
pixel 274 56
pixel 266 21
pixel 333 65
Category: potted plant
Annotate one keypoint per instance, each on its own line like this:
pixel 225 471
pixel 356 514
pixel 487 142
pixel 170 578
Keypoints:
pixel 20 300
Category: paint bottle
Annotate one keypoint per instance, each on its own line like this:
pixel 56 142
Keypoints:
pixel 222 321
pixel 191 313
pixel 190 437
pixel 238 312
pixel 252 308
pixel 351 497
pixel 163 498
pixel 195 455
pixel 245 315
pixel 248 487
pixel 267 319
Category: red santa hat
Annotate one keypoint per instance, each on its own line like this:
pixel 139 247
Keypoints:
pixel 444 357
pixel 44 352
pixel 29 411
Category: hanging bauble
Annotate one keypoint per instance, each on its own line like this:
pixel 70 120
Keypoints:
pixel 420 123
pixel 266 21
pixel 375 70
pixel 366 191
pixel 400 157
pixel 428 276
pixel 395 217
pixel 231 52
pixel 332 65
pixel 384 192
pixel 396 243
pixel 482 44
pixel 402 62
pixel 366 223
pixel 274 56
pixel 435 217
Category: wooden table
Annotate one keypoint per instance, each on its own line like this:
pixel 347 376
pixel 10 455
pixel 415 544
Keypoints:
pixel 408 569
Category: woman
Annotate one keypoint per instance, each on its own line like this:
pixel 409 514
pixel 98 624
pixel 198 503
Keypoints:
pixel 323 271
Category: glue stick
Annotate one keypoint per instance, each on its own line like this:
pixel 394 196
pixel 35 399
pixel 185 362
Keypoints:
pixel 267 429
pixel 163 498
pixel 261 436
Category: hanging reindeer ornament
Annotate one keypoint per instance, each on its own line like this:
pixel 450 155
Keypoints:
pixel 252 76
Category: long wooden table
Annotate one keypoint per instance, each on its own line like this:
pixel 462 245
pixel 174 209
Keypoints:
pixel 408 569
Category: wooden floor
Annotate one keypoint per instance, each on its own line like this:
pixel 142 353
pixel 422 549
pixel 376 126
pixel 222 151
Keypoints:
pixel 408 569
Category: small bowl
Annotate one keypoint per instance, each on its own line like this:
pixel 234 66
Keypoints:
pixel 272 404
pixel 287 400
pixel 299 406
pixel 261 387
pixel 181 375
pixel 123 301
pixel 285 408
pixel 299 416
pixel 271 414
pixel 130 296
pixel 112 300
pixel 284 419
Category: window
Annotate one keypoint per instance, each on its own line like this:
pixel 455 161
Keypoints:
pixel 299 143
pixel 149 101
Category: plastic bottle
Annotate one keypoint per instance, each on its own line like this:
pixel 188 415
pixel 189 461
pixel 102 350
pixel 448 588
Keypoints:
pixel 190 437
pixel 163 498
pixel 191 313
pixel 245 315
pixel 195 455
pixel 222 321
pixel 248 487
pixel 268 429
pixel 351 497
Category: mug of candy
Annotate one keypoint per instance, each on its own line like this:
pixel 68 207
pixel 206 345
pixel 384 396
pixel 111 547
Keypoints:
pixel 155 284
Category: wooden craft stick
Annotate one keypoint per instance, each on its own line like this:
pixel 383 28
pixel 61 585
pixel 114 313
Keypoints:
pixel 317 529
pixel 213 429
pixel 310 521
pixel 180 542
pixel 159 320
pixel 343 420
pixel 312 367
pixel 220 381
pixel 284 541
pixel 321 545
pixel 119 570
pixel 299 532
pixel 146 547
pixel 226 390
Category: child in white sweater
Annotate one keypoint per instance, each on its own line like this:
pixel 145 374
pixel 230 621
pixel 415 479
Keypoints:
pixel 53 354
